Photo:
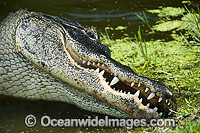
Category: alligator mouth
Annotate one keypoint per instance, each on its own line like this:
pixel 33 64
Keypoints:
pixel 163 106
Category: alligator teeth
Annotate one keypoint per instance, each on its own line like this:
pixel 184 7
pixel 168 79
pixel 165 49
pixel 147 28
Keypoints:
pixel 139 84
pixel 156 109
pixel 105 79
pixel 169 113
pixel 93 63
pixel 103 65
pixel 146 89
pixel 148 105
pixel 132 84
pixel 124 92
pixel 121 91
pixel 84 61
pixel 168 104
pixel 97 70
pixel 166 100
pixel 151 96
pixel 114 88
pixel 137 93
pixel 102 72
pixel 88 63
pixel 114 81
pixel 160 99
pixel 160 114
pixel 129 92
pixel 140 99
pixel 98 64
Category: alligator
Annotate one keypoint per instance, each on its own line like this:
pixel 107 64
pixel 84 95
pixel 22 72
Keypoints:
pixel 44 57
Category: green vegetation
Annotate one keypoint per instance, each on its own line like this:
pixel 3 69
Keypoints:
pixel 193 21
pixel 168 11
pixel 176 62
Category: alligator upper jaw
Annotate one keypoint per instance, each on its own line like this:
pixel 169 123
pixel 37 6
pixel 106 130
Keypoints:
pixel 128 91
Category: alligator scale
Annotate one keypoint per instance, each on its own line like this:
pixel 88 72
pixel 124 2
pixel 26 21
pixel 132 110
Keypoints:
pixel 53 58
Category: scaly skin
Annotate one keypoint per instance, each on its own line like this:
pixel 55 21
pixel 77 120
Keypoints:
pixel 53 58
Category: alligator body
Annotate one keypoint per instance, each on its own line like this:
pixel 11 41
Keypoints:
pixel 53 58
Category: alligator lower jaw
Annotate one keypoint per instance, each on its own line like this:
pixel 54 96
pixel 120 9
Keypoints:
pixel 147 98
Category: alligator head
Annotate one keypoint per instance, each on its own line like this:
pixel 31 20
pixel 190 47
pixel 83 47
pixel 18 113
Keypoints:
pixel 75 55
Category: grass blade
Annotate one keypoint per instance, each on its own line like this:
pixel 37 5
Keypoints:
pixel 191 15
pixel 185 39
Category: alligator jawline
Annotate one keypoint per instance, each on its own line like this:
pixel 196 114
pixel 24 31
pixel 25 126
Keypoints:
pixel 160 105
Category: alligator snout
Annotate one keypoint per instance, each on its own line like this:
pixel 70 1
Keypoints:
pixel 123 88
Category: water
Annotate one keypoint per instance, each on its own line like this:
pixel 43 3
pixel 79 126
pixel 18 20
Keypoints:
pixel 97 13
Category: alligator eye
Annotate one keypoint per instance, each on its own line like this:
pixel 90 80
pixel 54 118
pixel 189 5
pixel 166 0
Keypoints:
pixel 92 33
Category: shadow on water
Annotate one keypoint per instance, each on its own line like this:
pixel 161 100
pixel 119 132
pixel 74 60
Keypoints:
pixel 97 13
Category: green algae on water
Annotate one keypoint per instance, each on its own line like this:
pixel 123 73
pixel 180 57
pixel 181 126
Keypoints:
pixel 168 11
pixel 169 25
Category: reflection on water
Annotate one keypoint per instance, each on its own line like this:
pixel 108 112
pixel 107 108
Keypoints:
pixel 97 13
pixel 13 111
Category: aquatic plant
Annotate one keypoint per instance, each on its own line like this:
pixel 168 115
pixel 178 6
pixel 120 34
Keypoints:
pixel 144 19
pixel 141 45
pixel 192 19
pixel 168 25
pixel 168 11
